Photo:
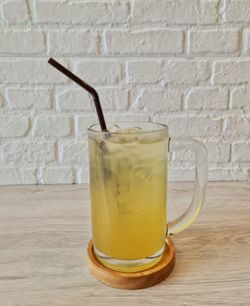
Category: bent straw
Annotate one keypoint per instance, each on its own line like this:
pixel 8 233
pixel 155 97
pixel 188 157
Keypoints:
pixel 86 86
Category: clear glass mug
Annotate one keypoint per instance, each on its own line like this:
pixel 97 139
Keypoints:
pixel 128 187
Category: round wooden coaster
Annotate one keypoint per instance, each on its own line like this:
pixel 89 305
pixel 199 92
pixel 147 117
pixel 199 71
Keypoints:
pixel 133 280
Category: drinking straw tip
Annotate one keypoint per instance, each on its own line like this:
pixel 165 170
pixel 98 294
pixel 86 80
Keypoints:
pixel 84 85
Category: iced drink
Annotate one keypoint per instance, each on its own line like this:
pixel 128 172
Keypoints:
pixel 128 196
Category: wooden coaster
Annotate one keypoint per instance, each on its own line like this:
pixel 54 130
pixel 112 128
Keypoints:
pixel 133 280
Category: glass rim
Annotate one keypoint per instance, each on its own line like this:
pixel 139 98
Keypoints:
pixel 161 127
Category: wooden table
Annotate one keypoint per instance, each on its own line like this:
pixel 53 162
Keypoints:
pixel 44 231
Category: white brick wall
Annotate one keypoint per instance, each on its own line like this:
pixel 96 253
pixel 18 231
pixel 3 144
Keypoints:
pixel 185 63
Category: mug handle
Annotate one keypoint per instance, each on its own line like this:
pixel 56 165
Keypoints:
pixel 192 212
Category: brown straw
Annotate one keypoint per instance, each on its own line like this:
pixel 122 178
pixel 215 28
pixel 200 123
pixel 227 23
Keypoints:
pixel 86 86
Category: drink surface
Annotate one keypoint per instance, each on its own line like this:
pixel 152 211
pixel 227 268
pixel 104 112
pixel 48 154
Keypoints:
pixel 128 193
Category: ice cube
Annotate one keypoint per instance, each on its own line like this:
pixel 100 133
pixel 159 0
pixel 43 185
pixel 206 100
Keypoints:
pixel 133 130
pixel 102 147
pixel 114 128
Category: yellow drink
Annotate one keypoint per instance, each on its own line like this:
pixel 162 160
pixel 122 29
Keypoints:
pixel 128 195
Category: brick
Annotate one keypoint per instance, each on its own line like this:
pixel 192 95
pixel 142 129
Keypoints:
pixel 120 11
pixel 26 98
pixel 241 152
pixel 52 126
pixel 246 41
pixel 74 100
pixel 240 98
pixel 80 42
pixel 142 75
pixel 79 100
pixel 214 41
pixel 114 99
pixel 83 122
pixel 25 153
pixel 83 175
pixel 182 156
pixel 227 174
pixel 237 127
pixel 175 11
pixel 231 72
pixel 158 100
pixel 57 175
pixel 207 98
pixel 159 41
pixel 13 126
pixel 180 175
pixel 143 72
pixel 180 164
pixel 22 42
pixel 150 11
pixel 237 11
pixel 209 11
pixel 191 126
pixel 88 12
pixel 73 152
pixel 16 176
pixel 186 71
pixel 15 11
pixel 1 100
pixel 53 12
pixel 100 72
pixel 30 71
pixel 217 152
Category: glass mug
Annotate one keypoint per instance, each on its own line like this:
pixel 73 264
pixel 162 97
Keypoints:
pixel 128 189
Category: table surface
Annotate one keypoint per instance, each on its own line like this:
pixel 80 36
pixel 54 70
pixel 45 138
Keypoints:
pixel 44 231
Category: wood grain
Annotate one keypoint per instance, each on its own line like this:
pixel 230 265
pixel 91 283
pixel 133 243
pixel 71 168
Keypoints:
pixel 135 280
pixel 44 231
